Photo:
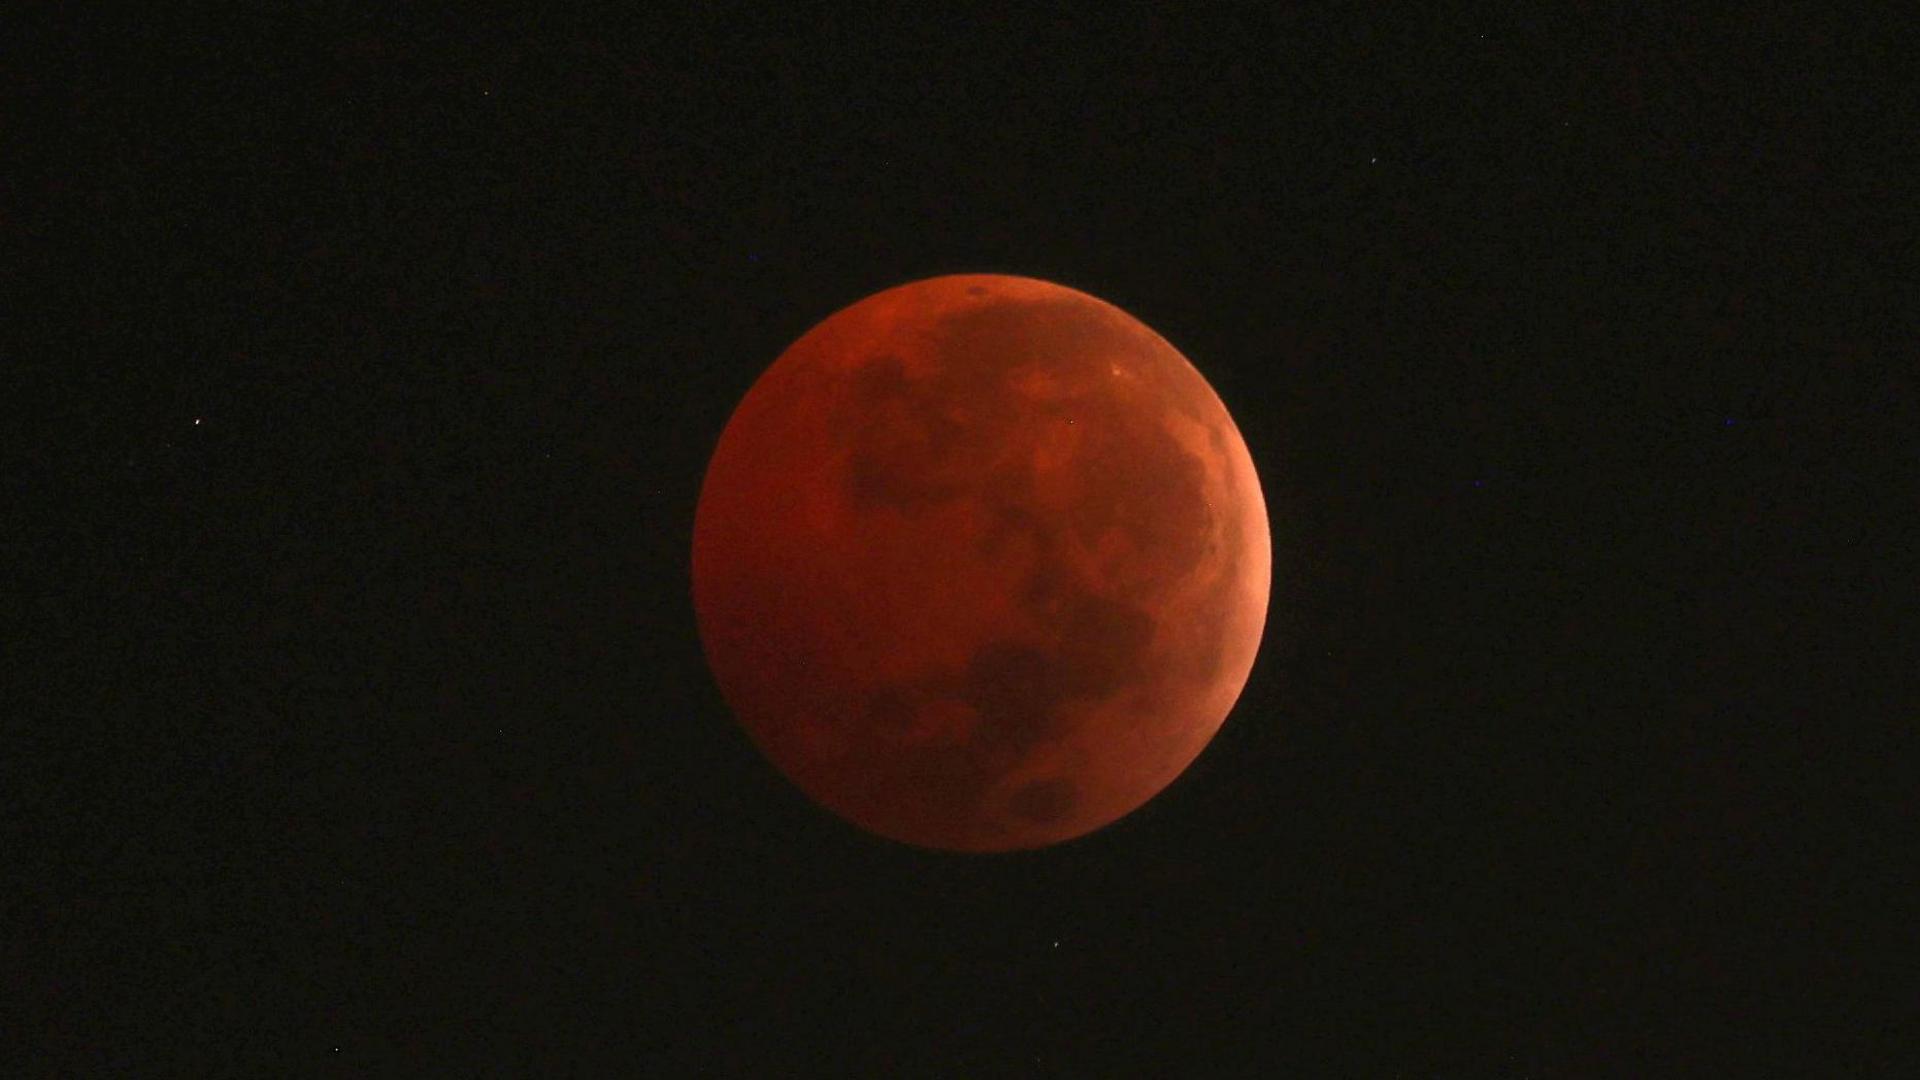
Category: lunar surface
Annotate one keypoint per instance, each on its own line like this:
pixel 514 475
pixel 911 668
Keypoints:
pixel 981 563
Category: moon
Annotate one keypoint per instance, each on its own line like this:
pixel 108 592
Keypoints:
pixel 981 563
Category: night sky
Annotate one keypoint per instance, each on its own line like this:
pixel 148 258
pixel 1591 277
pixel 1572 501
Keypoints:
pixel 1567 350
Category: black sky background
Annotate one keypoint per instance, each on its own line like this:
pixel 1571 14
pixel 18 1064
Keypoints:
pixel 1569 349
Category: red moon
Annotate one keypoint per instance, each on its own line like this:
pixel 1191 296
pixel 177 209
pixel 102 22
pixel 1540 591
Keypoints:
pixel 981 563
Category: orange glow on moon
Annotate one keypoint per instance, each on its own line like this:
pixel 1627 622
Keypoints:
pixel 981 563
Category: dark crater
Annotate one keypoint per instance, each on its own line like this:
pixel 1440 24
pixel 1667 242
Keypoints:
pixel 908 450
pixel 1017 689
pixel 1043 801
pixel 890 710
